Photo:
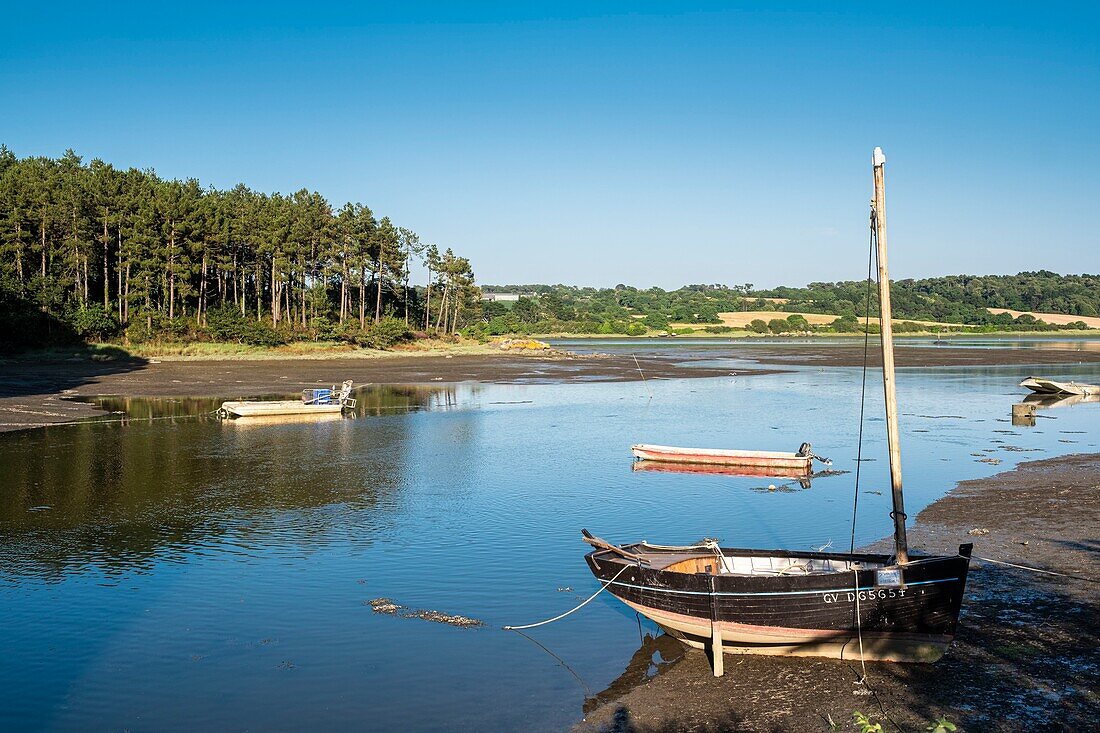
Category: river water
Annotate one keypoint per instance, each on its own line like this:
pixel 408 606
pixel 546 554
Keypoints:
pixel 183 573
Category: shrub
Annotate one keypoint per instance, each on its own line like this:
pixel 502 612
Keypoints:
pixel 227 324
pixel 719 329
pixel 635 329
pixel 656 320
pixel 258 333
pixel 324 328
pixel 798 322
pixel 757 325
pixel 383 334
pixel 845 324
pixel 778 325
pixel 500 325
pixel 95 323
pixel 479 331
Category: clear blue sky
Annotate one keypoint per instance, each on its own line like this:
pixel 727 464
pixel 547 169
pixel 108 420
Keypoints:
pixel 581 143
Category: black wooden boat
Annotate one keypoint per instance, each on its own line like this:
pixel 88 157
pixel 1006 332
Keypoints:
pixel 793 603
pixel 842 605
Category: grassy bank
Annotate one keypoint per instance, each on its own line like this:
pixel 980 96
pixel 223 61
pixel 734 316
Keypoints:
pixel 200 351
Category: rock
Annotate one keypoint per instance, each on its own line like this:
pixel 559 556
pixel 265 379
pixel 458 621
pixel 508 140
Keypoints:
pixel 509 344
pixel 385 605
pixel 976 532
pixel 388 607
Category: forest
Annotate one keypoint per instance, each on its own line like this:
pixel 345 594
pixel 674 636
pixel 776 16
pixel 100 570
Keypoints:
pixel 92 252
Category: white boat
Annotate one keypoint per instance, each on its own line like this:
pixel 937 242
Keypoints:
pixel 313 402
pixel 793 463
pixel 1041 385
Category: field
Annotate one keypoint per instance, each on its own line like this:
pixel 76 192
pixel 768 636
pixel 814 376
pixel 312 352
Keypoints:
pixel 742 319
pixel 1059 319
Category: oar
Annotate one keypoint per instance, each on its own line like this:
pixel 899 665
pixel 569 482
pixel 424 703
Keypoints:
pixel 605 545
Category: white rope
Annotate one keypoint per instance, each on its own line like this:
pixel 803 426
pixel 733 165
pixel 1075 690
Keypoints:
pixel 1035 570
pixel 644 382
pixel 699 546
pixel 711 545
pixel 585 603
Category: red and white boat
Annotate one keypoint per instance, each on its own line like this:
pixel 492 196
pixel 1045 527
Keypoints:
pixel 788 463
pixel 713 469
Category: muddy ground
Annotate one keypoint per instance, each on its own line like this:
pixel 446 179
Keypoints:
pixel 32 391
pixel 1025 658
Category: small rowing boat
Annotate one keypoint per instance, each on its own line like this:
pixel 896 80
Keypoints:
pixel 1042 385
pixel 313 402
pixel 794 464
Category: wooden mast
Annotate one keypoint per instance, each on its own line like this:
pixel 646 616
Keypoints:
pixel 878 160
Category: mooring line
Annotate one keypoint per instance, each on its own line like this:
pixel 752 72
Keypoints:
pixel 1037 570
pixel 644 382
pixel 562 662
pixel 576 608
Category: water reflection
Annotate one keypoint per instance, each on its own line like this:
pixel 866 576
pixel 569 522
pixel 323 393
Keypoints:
pixel 656 654
pixel 1047 402
pixel 717 470
pixel 371 400
pixel 163 476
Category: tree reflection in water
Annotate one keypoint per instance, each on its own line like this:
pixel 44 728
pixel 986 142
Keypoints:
pixel 159 477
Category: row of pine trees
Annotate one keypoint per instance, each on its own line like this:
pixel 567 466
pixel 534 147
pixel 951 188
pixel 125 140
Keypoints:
pixel 144 248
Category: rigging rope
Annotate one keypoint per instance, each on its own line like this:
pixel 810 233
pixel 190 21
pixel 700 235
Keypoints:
pixel 863 388
pixel 576 608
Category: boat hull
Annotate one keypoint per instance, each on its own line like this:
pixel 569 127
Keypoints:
pixel 268 408
pixel 717 469
pixel 1043 386
pixel 805 615
pixel 790 463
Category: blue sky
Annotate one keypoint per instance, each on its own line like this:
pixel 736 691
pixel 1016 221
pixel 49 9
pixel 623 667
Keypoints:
pixel 596 142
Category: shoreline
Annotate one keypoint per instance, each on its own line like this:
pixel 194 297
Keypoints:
pixel 34 394
pixel 33 387
pixel 1024 658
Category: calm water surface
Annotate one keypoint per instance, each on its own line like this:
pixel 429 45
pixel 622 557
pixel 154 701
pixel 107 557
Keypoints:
pixel 189 573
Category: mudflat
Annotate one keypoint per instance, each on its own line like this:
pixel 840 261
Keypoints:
pixel 1025 658
pixel 32 391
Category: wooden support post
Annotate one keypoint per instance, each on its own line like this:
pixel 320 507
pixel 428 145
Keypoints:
pixel 893 439
pixel 716 649
pixel 717 657
pixel 1023 409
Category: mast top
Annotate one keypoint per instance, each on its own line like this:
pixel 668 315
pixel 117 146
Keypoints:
pixel 878 157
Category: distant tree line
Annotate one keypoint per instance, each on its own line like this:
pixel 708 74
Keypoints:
pixel 961 300
pixel 95 252
pixel 620 310
pixel 954 298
